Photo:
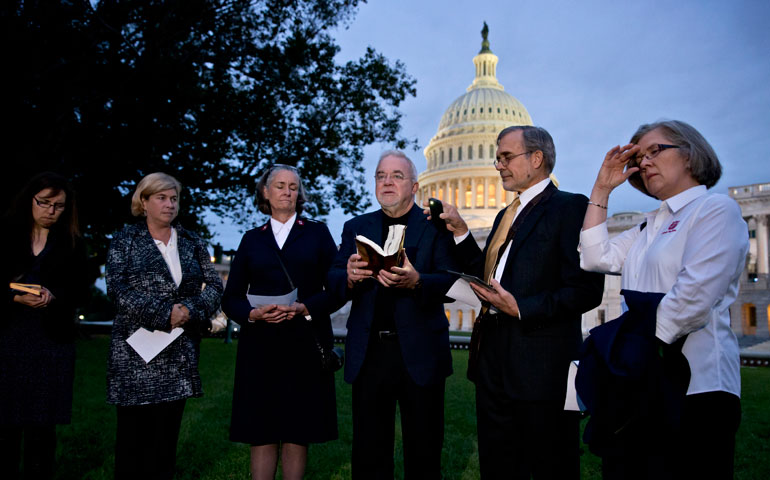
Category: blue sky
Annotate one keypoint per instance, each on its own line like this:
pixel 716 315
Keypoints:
pixel 590 72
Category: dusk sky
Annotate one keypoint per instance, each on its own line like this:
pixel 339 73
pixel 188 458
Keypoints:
pixel 589 72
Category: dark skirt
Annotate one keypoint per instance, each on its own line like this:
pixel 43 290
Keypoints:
pixel 280 392
pixel 36 370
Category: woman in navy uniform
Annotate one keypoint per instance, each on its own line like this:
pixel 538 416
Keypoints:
pixel 282 399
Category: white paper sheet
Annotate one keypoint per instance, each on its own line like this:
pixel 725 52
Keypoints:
pixel 572 401
pixel 148 344
pixel 261 300
pixel 462 292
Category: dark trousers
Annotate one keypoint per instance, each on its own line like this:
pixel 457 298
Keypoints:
pixel 523 440
pixel 145 446
pixel 704 448
pixel 39 451
pixel 382 383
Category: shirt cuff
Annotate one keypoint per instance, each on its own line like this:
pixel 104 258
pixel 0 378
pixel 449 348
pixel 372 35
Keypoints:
pixel 594 235
pixel 462 237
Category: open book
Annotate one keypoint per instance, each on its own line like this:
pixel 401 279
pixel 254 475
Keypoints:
pixel 390 255
pixel 26 288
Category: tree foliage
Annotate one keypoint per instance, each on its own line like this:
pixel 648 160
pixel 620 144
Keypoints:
pixel 209 91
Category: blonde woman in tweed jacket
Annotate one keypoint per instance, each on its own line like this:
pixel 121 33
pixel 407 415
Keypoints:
pixel 160 277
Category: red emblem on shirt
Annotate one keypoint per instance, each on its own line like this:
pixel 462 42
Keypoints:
pixel 300 222
pixel 264 227
pixel 671 228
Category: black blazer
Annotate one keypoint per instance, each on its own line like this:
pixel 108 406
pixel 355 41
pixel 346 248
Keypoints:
pixel 543 273
pixel 423 329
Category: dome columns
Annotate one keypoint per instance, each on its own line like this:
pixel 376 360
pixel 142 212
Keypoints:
pixel 467 192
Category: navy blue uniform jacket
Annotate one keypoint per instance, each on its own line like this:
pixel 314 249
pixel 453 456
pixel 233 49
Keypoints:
pixel 423 329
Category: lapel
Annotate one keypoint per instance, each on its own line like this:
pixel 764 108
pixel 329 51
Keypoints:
pixel 186 248
pixel 297 232
pixel 266 236
pixel 529 222
pixel 150 251
pixel 371 227
pixel 415 226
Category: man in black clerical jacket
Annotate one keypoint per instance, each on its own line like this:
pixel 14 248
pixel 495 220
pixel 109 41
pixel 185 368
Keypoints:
pixel 530 328
pixel 397 345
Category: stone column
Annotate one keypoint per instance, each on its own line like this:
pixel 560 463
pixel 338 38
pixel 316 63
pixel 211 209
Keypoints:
pixel 473 192
pixel 486 192
pixel 461 199
pixel 762 246
pixel 448 190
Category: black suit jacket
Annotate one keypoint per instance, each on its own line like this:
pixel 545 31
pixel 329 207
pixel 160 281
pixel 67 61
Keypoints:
pixel 543 273
pixel 422 326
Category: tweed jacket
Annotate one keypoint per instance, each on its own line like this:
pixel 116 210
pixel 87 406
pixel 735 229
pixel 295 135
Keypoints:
pixel 140 284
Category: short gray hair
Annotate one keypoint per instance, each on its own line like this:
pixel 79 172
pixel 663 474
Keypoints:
pixel 262 204
pixel 535 138
pixel 704 163
pixel 150 185
pixel 399 154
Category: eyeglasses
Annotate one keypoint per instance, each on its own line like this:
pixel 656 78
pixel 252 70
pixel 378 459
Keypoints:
pixel 506 159
pixel 46 205
pixel 654 152
pixel 381 177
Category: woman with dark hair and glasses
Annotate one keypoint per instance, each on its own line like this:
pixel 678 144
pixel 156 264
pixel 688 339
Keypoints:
pixel 688 255
pixel 43 248
pixel 282 399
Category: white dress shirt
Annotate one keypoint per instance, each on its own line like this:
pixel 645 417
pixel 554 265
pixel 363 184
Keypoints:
pixel 281 230
pixel 525 197
pixel 170 254
pixel 693 250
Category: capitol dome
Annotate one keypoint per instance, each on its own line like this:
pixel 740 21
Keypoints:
pixel 460 157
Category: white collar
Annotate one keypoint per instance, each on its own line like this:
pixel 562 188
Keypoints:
pixel 681 199
pixel 277 226
pixel 533 191
pixel 171 240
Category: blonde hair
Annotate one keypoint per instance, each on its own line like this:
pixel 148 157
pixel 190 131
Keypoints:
pixel 151 184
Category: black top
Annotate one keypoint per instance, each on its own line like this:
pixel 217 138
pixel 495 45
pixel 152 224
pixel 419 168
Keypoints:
pixel 385 301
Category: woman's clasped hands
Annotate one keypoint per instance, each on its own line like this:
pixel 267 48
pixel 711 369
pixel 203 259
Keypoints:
pixel 277 313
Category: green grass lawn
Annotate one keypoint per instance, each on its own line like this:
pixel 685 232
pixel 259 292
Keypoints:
pixel 204 451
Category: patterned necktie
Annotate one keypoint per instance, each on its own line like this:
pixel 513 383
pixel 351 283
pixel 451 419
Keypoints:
pixel 499 239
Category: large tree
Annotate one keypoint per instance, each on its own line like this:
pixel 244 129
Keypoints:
pixel 210 91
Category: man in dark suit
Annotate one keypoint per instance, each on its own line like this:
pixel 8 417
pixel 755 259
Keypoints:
pixel 531 329
pixel 397 344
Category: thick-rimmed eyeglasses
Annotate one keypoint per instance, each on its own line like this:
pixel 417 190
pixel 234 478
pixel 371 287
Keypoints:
pixel 506 159
pixel 46 205
pixel 654 152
